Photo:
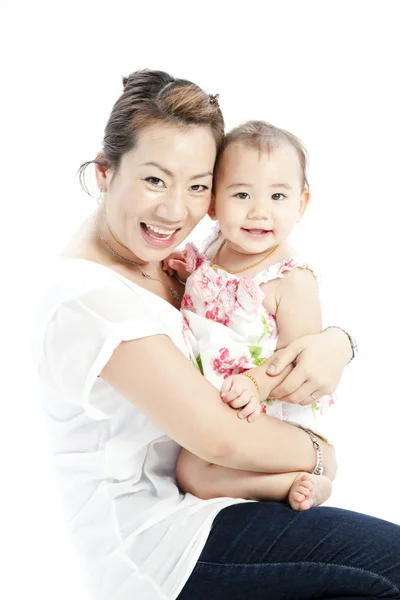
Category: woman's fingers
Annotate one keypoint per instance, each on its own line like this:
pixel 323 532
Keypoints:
pixel 284 357
pixel 302 395
pixel 313 397
pixel 293 382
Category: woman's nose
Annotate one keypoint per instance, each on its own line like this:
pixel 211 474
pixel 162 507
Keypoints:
pixel 173 207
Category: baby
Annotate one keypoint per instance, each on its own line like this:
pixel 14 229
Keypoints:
pixel 249 294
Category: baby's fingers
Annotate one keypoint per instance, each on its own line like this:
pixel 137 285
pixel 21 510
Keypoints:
pixel 242 400
pixel 230 391
pixel 251 411
pixel 167 268
pixel 233 394
pixel 225 388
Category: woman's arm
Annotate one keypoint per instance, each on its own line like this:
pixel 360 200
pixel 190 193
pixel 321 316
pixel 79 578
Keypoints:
pixel 318 359
pixel 157 378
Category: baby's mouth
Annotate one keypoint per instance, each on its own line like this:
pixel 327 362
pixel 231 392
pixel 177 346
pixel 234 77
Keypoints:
pixel 257 231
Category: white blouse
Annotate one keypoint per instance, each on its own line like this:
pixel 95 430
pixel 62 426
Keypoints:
pixel 138 537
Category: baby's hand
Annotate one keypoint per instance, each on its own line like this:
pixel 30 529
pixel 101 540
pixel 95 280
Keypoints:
pixel 175 263
pixel 239 391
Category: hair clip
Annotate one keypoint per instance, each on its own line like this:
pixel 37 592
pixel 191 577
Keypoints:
pixel 214 99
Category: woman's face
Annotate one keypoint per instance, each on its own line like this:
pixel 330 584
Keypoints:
pixel 161 190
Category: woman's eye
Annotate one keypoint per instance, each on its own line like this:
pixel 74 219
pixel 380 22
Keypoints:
pixel 278 196
pixel 155 181
pixel 242 195
pixel 199 188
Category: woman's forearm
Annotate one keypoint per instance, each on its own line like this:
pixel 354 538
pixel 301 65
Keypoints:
pixel 271 446
pixel 183 404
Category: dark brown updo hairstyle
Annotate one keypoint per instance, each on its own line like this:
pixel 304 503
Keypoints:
pixel 265 137
pixel 154 97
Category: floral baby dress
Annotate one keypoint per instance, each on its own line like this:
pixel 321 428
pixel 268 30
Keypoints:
pixel 228 330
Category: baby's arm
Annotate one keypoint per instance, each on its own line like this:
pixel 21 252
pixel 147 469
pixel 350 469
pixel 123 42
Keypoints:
pixel 298 313
pixel 298 306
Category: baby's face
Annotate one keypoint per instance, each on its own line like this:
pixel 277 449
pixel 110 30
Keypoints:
pixel 259 197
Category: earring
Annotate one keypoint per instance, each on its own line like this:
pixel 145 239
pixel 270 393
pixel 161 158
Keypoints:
pixel 100 197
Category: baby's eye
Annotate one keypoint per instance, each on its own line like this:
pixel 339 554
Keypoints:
pixel 242 195
pixel 278 196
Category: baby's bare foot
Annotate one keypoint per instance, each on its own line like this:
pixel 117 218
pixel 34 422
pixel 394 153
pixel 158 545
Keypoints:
pixel 309 490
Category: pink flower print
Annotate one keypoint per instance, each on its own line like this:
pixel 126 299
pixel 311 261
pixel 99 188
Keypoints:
pixel 273 327
pixel 215 314
pixel 206 284
pixel 186 326
pixel 324 403
pixel 192 257
pixel 226 302
pixel 212 314
pixel 187 303
pixel 249 295
pixel 227 366
pixel 288 265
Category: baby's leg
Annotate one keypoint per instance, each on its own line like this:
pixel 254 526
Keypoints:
pixel 206 480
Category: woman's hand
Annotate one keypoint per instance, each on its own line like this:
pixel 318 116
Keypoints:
pixel 319 361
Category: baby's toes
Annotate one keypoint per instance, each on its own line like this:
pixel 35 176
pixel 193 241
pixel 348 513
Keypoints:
pixel 305 490
pixel 305 505
pixel 298 496
pixel 307 484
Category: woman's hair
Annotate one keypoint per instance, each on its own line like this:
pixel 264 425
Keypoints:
pixel 154 97
pixel 264 137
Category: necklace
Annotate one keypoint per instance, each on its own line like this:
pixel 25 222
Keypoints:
pixel 212 263
pixel 174 293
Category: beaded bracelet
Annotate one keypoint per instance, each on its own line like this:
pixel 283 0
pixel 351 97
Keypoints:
pixel 253 380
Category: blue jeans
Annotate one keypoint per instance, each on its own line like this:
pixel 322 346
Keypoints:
pixel 266 550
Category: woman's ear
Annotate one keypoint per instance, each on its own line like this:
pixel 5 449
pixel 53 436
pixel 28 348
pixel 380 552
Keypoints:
pixel 101 167
pixel 211 209
pixel 304 200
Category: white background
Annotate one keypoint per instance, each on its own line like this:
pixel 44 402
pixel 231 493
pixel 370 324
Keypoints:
pixel 328 72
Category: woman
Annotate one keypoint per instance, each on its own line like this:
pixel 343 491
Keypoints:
pixel 122 397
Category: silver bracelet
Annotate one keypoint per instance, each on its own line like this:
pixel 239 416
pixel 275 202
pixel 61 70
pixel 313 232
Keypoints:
pixel 319 467
pixel 353 343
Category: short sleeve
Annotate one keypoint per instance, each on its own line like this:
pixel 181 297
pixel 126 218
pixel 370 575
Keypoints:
pixel 80 338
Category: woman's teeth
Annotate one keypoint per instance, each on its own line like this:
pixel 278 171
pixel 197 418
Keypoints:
pixel 167 233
